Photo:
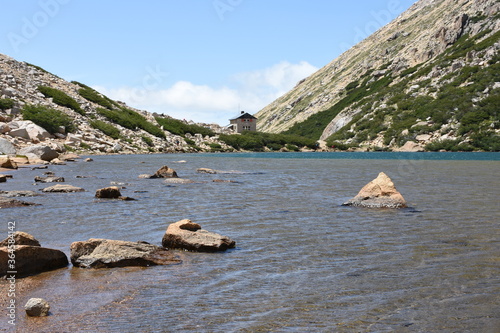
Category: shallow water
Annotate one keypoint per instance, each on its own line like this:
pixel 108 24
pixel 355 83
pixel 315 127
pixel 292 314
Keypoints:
pixel 302 263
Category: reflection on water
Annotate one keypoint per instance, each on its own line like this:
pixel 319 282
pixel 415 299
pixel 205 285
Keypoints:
pixel 302 262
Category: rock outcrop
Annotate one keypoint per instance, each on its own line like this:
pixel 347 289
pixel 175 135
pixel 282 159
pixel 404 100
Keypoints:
pixel 30 258
pixel 105 253
pixel 188 235
pixel 379 193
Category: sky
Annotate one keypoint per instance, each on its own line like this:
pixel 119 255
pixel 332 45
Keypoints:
pixel 200 60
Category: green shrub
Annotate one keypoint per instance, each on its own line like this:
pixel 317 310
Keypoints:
pixel 179 127
pixel 131 120
pixel 59 97
pixel 147 140
pixel 448 145
pixel 93 96
pixel 257 141
pixel 6 103
pixel 47 118
pixel 106 128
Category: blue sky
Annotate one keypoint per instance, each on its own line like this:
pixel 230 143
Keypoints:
pixel 199 60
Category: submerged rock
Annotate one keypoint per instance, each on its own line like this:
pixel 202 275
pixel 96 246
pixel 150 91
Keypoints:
pixel 11 203
pixel 37 307
pixel 379 193
pixel 188 235
pixel 105 253
pixel 49 179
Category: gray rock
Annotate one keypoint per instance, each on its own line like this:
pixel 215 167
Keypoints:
pixel 7 148
pixel 105 253
pixel 14 194
pixel 188 235
pixel 62 189
pixel 42 152
pixel 37 307
pixel 50 179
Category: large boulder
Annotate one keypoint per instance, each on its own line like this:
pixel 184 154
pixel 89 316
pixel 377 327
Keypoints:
pixel 42 152
pixel 165 172
pixel 6 147
pixel 30 258
pixel 7 163
pixel 111 192
pixel 28 130
pixel 379 193
pixel 188 235
pixel 105 253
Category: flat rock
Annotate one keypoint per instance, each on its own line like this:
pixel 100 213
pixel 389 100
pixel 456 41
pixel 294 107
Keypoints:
pixel 62 189
pixel 188 235
pixel 49 179
pixel 379 193
pixel 105 253
pixel 178 181
pixel 12 203
pixel 15 194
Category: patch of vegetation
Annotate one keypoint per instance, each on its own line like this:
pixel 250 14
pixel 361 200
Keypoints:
pixel 131 120
pixel 147 140
pixel 61 98
pixel 106 128
pixel 6 103
pixel 47 118
pixel 178 127
pixel 94 96
pixel 257 141
pixel 448 145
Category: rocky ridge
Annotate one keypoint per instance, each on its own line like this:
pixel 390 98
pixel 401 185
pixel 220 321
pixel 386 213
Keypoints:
pixel 19 84
pixel 420 37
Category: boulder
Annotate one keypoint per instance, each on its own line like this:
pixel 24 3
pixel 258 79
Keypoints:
pixel 4 128
pixel 7 163
pixel 411 146
pixel 42 152
pixel 111 192
pixel 165 172
pixel 37 307
pixel 11 203
pixel 6 147
pixel 19 133
pixel 188 235
pixel 50 179
pixel 28 130
pixel 3 178
pixel 105 253
pixel 20 238
pixel 62 189
pixel 31 259
pixel 379 193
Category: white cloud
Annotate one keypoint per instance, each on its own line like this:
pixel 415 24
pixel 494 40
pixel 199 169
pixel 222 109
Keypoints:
pixel 185 100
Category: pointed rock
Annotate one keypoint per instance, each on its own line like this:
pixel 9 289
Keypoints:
pixel 379 193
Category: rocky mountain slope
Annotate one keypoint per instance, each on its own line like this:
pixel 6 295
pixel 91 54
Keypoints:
pixel 429 78
pixel 37 107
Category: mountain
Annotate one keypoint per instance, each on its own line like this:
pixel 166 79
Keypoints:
pixel 429 79
pixel 39 107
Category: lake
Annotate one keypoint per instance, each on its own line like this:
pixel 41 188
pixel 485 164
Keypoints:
pixel 302 262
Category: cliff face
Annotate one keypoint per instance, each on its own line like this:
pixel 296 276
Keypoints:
pixel 96 124
pixel 395 73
